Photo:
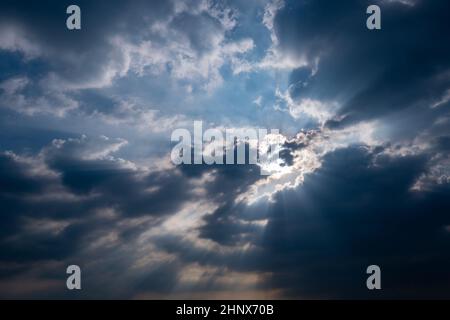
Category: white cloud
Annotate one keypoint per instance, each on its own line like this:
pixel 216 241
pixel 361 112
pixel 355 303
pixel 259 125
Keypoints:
pixel 443 100
pixel 316 109
pixel 13 38
pixel 258 101
pixel 184 61
pixel 87 148
pixel 14 85
pixel 46 101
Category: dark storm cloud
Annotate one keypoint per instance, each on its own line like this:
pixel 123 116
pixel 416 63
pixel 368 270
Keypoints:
pixel 229 181
pixel 13 183
pixel 17 185
pixel 14 180
pixel 356 210
pixel 86 55
pixel 56 215
pixel 373 73
pixel 80 188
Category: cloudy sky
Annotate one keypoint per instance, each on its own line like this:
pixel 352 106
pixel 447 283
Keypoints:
pixel 85 172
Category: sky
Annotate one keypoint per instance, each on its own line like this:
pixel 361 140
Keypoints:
pixel 86 177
